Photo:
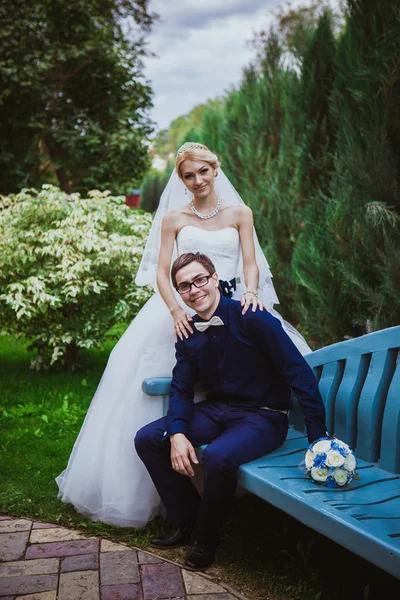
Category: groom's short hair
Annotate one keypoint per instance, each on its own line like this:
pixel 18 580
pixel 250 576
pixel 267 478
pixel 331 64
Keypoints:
pixel 185 259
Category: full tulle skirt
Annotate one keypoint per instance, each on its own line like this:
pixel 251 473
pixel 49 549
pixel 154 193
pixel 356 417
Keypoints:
pixel 105 479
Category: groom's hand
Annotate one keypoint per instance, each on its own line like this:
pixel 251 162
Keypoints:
pixel 182 452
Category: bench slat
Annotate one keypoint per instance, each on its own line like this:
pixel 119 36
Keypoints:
pixel 372 404
pixel 390 446
pixel 329 383
pixel 386 510
pixel 348 395
pixel 373 342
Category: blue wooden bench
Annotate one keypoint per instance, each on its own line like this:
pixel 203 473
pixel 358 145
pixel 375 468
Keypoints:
pixel 360 383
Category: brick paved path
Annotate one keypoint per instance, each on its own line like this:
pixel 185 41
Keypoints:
pixel 41 561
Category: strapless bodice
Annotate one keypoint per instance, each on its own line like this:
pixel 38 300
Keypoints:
pixel 222 246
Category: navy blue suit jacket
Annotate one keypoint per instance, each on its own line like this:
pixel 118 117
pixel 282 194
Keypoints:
pixel 249 361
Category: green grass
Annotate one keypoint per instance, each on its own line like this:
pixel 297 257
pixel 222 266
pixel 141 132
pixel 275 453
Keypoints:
pixel 264 553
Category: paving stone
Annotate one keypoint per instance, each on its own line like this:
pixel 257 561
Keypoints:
pixel 28 585
pixel 145 558
pixel 107 546
pixel 15 525
pixel 42 596
pixel 223 596
pixel 82 562
pixel 44 566
pixel 119 567
pixel 36 577
pixel 37 525
pixel 80 585
pixel 59 534
pixel 162 581
pixel 125 591
pixel 197 584
pixel 54 549
pixel 12 545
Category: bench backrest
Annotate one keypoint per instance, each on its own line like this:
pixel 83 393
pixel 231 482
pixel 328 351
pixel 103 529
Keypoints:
pixel 360 384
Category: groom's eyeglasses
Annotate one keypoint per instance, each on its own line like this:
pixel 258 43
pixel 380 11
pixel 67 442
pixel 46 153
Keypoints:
pixel 199 282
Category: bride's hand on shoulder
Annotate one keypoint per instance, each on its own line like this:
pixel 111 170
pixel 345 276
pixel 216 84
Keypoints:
pixel 182 326
pixel 251 298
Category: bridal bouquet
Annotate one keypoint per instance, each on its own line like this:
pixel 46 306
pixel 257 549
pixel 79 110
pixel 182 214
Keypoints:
pixel 330 462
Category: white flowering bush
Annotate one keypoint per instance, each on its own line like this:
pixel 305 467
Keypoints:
pixel 67 269
pixel 330 462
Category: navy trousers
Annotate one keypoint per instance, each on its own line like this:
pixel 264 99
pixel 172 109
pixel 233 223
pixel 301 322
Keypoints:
pixel 234 436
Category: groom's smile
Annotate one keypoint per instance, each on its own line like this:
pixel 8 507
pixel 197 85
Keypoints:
pixel 203 295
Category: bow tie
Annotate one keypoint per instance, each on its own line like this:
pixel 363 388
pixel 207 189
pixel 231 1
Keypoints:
pixel 204 325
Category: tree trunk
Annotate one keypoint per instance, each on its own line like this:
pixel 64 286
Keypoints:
pixel 71 354
pixel 63 180
pixel 55 154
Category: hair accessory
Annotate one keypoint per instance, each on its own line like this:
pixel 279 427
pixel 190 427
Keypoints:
pixel 190 146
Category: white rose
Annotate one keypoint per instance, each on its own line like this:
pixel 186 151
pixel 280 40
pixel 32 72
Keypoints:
pixel 322 447
pixel 340 476
pixel 341 444
pixel 309 459
pixel 319 473
pixel 334 459
pixel 350 462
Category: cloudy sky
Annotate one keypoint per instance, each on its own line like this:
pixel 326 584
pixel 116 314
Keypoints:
pixel 201 49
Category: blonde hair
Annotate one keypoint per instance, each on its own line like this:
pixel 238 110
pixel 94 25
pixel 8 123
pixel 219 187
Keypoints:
pixel 195 151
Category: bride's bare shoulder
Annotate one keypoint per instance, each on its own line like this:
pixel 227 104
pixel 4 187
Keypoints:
pixel 240 212
pixel 173 218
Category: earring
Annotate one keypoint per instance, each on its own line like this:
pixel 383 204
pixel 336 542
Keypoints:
pixel 216 174
pixel 185 191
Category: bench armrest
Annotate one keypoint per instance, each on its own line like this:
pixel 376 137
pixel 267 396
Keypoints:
pixel 156 386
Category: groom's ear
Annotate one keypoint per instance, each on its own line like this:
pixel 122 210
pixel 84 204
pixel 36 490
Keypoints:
pixel 216 279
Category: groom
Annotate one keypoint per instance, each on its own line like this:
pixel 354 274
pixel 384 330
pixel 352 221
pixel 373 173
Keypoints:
pixel 249 366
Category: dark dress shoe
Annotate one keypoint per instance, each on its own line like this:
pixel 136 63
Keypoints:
pixel 200 556
pixel 176 537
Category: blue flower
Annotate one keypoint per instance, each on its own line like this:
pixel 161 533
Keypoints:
pixel 319 460
pixel 330 482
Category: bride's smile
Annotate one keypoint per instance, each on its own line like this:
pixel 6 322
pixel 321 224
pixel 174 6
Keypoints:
pixel 198 177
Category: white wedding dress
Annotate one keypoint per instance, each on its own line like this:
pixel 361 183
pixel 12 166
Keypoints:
pixel 105 480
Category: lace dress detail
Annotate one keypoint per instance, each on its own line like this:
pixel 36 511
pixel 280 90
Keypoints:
pixel 221 246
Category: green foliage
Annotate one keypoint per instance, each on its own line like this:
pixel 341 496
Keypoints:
pixel 152 187
pixel 311 140
pixel 182 129
pixel 355 245
pixel 67 267
pixel 73 101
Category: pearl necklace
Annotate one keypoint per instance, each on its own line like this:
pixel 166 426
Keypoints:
pixel 211 214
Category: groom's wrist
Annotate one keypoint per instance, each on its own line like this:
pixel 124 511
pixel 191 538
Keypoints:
pixel 176 439
pixel 176 435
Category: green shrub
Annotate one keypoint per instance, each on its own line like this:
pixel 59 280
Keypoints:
pixel 67 268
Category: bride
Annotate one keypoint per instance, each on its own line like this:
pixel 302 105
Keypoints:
pixel 199 211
